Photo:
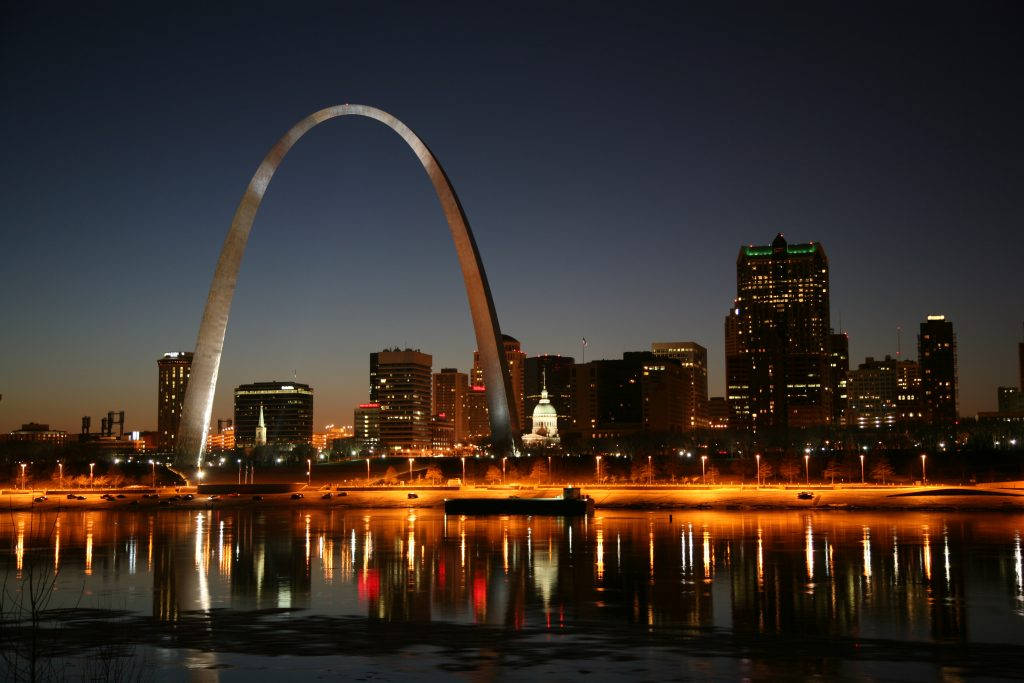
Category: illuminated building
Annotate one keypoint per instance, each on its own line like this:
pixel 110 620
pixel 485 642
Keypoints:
pixel 666 390
pixel 366 426
pixel 449 396
pixel 718 413
pixel 324 441
pixel 404 396
pixel 224 439
pixel 516 361
pixel 554 372
pixel 693 359
pixel 936 352
pixel 373 377
pixel 285 407
pixel 838 368
pixel 37 433
pixel 544 420
pixel 442 435
pixel 476 413
pixel 883 393
pixel 1009 400
pixel 173 370
pixel 777 337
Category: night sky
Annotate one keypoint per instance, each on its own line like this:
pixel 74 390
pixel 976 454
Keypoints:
pixel 611 163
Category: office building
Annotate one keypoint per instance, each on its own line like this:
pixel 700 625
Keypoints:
pixel 1009 399
pixel 515 359
pixel 554 372
pixel 718 413
pixel 477 414
pixel 777 337
pixel 286 409
pixel 693 359
pixel 173 370
pixel 936 352
pixel 883 393
pixel 366 426
pixel 449 396
pixel 838 368
pixel 37 433
pixel 442 435
pixel 403 392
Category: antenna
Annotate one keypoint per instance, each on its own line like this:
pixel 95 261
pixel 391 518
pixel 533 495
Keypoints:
pixel 899 341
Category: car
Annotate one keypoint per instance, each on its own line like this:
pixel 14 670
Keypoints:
pixel 805 495
pixel 39 499
pixel 188 496
pixel 234 495
pixel 327 496
pixel 258 499
pixel 297 496
pixel 412 496
pixel 72 496
pixel 107 496
pixel 214 497
pixel 342 493
pixel 79 497
pixel 121 495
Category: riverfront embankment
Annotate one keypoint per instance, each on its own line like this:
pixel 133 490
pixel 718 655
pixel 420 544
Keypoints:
pixel 1004 496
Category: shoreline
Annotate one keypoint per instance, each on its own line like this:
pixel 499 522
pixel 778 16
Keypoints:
pixel 999 497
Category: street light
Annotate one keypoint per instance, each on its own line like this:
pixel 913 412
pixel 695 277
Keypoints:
pixel 463 470
pixel 60 468
pixel 22 475
pixel 309 472
pixel 597 468
pixel 152 466
pixel 924 475
pixel 239 471
pixel 503 459
pixel 807 467
pixel 757 456
pixel 650 472
pixel 703 470
pixel 91 478
pixel 862 468
pixel 367 471
pixel 550 476
pixel 410 470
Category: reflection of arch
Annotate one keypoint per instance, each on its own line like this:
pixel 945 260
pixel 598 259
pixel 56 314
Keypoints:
pixel 198 404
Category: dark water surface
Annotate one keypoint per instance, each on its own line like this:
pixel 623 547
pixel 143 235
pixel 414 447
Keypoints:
pixel 398 595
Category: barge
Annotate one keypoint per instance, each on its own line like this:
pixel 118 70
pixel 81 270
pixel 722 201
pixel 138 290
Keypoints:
pixel 571 503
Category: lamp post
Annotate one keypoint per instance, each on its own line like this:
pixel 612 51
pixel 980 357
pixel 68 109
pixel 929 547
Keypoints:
pixel 91 478
pixel 597 468
pixel 60 469
pixel 152 468
pixel 550 475
pixel 309 472
pixel 757 456
pixel 22 475
pixel 924 475
pixel 862 468
pixel 807 468
pixel 239 470
pixel 503 459
pixel 367 471
pixel 703 469
pixel 463 470
pixel 650 472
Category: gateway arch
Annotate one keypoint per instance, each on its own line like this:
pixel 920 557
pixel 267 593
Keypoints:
pixel 198 405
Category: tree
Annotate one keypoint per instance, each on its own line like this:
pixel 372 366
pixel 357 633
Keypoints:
pixel 881 470
pixel 390 475
pixel 711 474
pixel 539 471
pixel 640 470
pixel 765 471
pixel 493 475
pixel 790 469
pixel 434 475
pixel 832 470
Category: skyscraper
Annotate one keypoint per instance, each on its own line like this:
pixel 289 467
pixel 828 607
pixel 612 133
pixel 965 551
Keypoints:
pixel 366 426
pixel 557 371
pixel 449 399
pixel 173 370
pixel 516 360
pixel 693 359
pixel 404 397
pixel 286 409
pixel 476 414
pixel 936 351
pixel 838 369
pixel 777 363
pixel 883 393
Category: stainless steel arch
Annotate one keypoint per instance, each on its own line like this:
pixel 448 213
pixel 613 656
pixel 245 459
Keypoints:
pixel 198 406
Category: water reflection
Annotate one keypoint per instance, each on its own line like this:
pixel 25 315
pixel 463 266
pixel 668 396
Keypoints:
pixel 783 574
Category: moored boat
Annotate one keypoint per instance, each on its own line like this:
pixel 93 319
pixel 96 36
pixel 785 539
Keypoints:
pixel 571 503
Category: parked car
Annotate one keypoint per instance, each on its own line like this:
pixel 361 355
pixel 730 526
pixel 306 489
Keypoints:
pixel 327 496
pixel 39 499
pixel 805 495
pixel 79 497
pixel 107 496
pixel 188 496
pixel 296 496
pixel 412 496
pixel 214 497
pixel 72 496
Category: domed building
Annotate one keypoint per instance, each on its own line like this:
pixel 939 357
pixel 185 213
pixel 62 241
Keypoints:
pixel 545 422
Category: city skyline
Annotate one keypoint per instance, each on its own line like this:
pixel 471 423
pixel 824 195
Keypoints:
pixel 901 181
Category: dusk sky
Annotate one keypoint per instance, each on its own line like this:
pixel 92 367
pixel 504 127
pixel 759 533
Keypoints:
pixel 611 162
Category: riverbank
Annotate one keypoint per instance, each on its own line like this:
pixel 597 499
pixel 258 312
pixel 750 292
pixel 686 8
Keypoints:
pixel 1005 496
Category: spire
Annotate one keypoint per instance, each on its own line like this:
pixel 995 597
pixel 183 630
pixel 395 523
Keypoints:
pixel 544 383
pixel 261 430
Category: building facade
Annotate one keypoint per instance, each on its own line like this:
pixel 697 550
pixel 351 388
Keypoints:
pixel 693 360
pixel 515 359
pixel 287 409
pixel 777 337
pixel 173 371
pixel 554 372
pixel 366 426
pixel 404 384
pixel 936 354
pixel 449 397
pixel 883 393
pixel 838 369
pixel 477 415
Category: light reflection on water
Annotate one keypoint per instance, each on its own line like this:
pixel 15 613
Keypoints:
pixel 783 574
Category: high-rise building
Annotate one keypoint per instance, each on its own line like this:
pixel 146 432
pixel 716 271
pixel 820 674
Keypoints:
pixel 718 412
pixel 556 371
pixel 404 397
pixel 1010 399
pixel 666 389
pixel 838 368
pixel 286 408
pixel 883 393
pixel 173 370
pixel 477 414
pixel 936 352
pixel 442 435
pixel 777 337
pixel 450 391
pixel 516 361
pixel 366 426
pixel 693 359
pixel 374 398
